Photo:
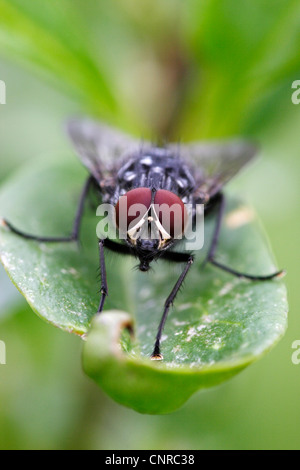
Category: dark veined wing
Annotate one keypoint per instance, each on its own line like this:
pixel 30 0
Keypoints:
pixel 215 163
pixel 98 145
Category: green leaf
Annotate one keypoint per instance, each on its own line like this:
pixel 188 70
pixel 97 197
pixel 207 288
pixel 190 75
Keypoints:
pixel 218 326
pixel 134 381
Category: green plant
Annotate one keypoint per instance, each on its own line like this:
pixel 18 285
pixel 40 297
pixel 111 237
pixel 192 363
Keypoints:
pixel 223 325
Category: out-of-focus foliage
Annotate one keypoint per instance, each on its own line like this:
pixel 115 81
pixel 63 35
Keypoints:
pixel 235 63
pixel 200 69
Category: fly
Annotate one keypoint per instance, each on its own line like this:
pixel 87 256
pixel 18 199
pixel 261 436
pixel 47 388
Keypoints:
pixel 153 178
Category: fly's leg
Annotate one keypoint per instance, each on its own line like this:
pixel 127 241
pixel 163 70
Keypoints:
pixel 268 277
pixel 76 226
pixel 104 288
pixel 156 355
pixel 214 243
pixel 117 248
pixel 170 256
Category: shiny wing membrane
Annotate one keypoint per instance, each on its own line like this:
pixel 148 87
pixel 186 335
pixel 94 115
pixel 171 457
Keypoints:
pixel 99 146
pixel 215 163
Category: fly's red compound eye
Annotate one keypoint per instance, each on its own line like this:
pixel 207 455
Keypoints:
pixel 171 212
pixel 132 207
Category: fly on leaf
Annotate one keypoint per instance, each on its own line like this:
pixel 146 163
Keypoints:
pixel 155 192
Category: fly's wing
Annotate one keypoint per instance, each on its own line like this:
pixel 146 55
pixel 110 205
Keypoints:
pixel 215 163
pixel 99 146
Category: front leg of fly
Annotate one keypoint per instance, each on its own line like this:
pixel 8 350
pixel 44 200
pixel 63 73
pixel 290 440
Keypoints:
pixel 116 248
pixel 76 225
pixel 104 287
pixel 156 355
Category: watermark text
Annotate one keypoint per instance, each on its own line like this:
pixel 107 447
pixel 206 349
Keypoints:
pixel 2 92
pixel 2 352
pixel 296 94
pixel 162 222
pixel 296 353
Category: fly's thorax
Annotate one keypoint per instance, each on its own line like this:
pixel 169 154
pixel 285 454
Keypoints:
pixel 154 167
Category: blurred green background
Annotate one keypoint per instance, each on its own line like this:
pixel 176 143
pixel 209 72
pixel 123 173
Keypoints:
pixel 171 69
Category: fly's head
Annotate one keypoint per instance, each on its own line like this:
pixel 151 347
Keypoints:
pixel 152 221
